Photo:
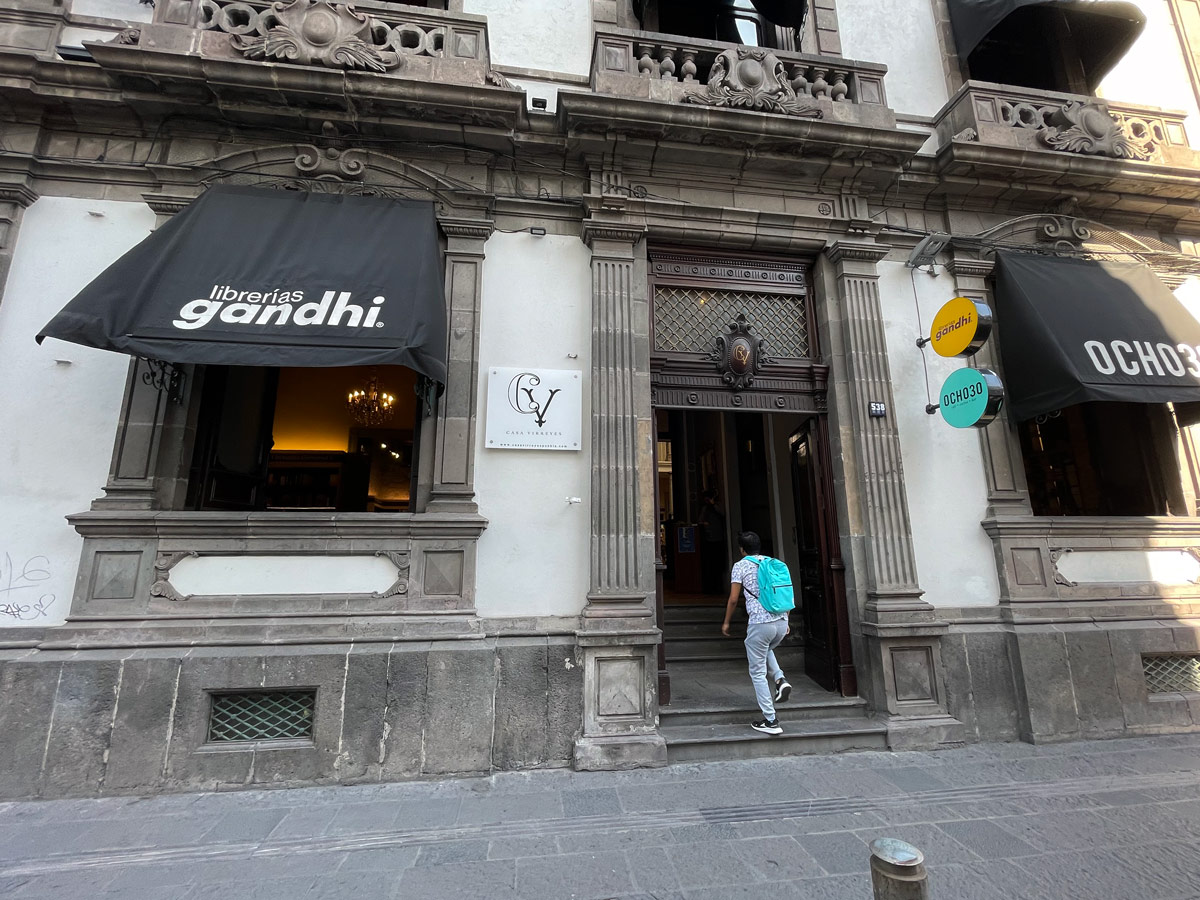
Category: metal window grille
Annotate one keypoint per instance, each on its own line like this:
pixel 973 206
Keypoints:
pixel 261 716
pixel 1171 674
pixel 687 319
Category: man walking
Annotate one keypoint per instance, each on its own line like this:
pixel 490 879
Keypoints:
pixel 764 633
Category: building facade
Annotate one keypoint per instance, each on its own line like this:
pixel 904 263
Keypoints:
pixel 724 232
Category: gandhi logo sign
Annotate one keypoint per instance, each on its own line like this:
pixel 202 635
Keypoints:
pixel 522 399
pixel 231 306
pixel 534 409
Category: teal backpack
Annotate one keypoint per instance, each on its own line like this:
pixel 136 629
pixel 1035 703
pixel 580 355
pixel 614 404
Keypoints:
pixel 774 585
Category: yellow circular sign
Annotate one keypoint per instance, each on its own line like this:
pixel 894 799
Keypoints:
pixel 960 327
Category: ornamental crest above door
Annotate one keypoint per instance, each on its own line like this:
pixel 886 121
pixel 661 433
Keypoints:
pixel 739 354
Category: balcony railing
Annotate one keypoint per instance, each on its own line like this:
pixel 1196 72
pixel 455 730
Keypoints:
pixel 1027 119
pixel 676 69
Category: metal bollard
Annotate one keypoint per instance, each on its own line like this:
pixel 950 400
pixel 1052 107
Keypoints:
pixel 898 871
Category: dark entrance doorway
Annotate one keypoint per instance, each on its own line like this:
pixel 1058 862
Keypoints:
pixel 720 472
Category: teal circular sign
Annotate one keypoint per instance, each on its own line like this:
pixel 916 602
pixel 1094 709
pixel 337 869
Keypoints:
pixel 971 398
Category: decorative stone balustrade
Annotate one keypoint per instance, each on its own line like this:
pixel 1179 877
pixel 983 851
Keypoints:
pixel 429 45
pixel 674 69
pixel 1027 119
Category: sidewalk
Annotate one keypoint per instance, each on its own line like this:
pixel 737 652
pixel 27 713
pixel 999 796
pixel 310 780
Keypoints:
pixel 1111 819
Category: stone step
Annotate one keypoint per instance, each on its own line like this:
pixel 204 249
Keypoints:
pixel 692 743
pixel 684 713
pixel 713 647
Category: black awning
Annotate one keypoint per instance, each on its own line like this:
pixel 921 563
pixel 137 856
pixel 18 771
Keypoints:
pixel 256 277
pixel 1103 29
pixel 1077 330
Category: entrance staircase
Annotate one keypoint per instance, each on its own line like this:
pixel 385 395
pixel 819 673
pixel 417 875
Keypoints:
pixel 712 700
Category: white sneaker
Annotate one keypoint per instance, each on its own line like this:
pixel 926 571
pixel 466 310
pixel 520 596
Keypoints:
pixel 768 726
pixel 783 690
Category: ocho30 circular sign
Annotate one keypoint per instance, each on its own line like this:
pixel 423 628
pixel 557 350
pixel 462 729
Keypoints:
pixel 960 327
pixel 971 398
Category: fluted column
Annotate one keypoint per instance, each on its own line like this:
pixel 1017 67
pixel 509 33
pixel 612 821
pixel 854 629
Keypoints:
pixel 457 409
pixel 1008 494
pixel 892 568
pixel 14 200
pixel 619 638
pixel 622 551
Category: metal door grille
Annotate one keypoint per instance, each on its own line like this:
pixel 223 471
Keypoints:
pixel 261 716
pixel 1171 674
pixel 687 319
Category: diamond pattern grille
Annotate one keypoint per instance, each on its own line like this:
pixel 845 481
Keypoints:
pixel 687 319
pixel 261 716
pixel 1171 674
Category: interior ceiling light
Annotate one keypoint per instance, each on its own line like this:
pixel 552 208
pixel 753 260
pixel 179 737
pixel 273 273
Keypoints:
pixel 371 406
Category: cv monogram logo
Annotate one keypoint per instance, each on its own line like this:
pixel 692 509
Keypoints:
pixel 521 397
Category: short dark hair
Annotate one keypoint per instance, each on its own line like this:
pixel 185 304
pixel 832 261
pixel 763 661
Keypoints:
pixel 749 543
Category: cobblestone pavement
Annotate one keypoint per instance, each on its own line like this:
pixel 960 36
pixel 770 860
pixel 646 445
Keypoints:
pixel 1101 819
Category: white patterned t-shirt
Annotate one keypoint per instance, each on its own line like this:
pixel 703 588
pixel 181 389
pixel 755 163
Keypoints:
pixel 745 573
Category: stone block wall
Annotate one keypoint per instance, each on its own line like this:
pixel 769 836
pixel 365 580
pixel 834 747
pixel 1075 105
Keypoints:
pixel 1068 681
pixel 103 722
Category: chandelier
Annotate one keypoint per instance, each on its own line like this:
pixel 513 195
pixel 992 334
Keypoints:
pixel 371 406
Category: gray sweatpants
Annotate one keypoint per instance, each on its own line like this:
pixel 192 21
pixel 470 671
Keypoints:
pixel 761 641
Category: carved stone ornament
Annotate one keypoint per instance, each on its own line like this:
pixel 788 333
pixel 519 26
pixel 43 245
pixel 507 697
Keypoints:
pixel 400 586
pixel 163 565
pixel 128 37
pixel 1079 127
pixel 1057 553
pixel 739 354
pixel 317 32
pixel 752 78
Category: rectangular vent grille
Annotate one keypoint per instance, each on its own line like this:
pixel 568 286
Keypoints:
pixel 261 716
pixel 1172 674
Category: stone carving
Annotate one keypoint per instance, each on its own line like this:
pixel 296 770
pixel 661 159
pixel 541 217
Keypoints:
pixel 1056 553
pixel 128 37
pixel 331 163
pixel 317 32
pixel 400 586
pixel 498 79
pixel 967 134
pixel 1064 228
pixel 739 355
pixel 752 78
pixel 163 565
pixel 1087 127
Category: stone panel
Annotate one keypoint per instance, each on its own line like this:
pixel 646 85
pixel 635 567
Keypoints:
pixel 114 574
pixel 522 695
pixel 142 727
pixel 1049 695
pixel 28 690
pixel 443 573
pixel 1095 678
pixel 460 688
pixel 912 669
pixel 992 688
pixel 77 748
pixel 620 682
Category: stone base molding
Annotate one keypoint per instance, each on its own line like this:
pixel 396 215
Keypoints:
pixel 620 703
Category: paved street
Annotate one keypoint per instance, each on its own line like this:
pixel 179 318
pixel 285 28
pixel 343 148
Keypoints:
pixel 1114 819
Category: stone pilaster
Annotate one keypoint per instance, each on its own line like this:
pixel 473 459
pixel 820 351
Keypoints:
pixel 14 200
pixel 457 410
pixel 1007 492
pixel 901 635
pixel 618 640
pixel 892 567
pixel 621 575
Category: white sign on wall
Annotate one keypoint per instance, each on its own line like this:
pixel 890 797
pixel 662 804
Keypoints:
pixel 534 409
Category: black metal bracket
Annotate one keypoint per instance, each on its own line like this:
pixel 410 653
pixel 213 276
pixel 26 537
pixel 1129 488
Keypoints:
pixel 165 376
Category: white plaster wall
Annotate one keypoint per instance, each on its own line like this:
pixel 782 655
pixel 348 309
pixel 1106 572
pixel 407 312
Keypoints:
pixel 902 35
pixel 553 35
pixel 943 466
pixel 1153 72
pixel 57 419
pixel 534 554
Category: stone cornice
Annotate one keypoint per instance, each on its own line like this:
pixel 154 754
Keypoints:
pixel 20 194
pixel 480 229
pixel 168 204
pixel 970 268
pixel 242 526
pixel 856 251
pixel 618 232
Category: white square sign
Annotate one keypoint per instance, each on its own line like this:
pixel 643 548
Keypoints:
pixel 534 409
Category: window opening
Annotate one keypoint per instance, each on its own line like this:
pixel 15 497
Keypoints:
pixel 1102 459
pixel 286 439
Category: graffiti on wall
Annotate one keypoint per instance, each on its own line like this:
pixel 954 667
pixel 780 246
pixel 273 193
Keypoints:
pixel 22 583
